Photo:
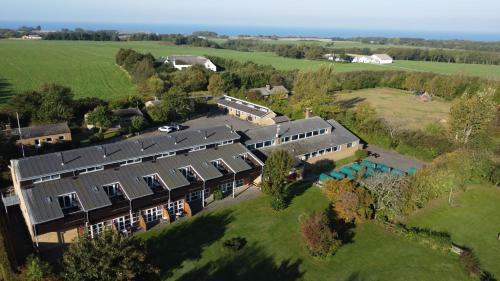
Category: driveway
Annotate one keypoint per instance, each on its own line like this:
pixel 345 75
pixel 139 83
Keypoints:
pixel 393 159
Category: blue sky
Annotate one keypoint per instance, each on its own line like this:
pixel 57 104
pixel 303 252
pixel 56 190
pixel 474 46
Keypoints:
pixel 422 15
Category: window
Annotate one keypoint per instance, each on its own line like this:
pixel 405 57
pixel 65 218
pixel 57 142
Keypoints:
pixel 321 152
pixel 176 207
pixel 112 190
pixel 259 145
pixel 251 146
pixel 61 137
pixel 301 136
pixel 195 195
pixel 132 161
pixel 322 131
pixel 49 139
pixel 153 181
pixel 196 148
pixel 225 142
pixel 285 139
pixel 91 169
pixel 349 144
pixel 315 133
pixel 329 149
pixel 122 223
pixel 336 148
pixel 68 201
pixel 189 173
pixel 163 155
pixel 268 143
pixel 295 137
pixel 225 187
pixel 97 228
pixel 239 183
pixel 47 178
pixel 37 142
pixel 309 134
pixel 152 214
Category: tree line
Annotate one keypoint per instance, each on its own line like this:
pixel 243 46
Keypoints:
pixel 82 34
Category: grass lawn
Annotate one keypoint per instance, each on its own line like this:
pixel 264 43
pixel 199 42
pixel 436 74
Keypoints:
pixel 399 107
pixel 192 250
pixel 89 69
pixel 474 222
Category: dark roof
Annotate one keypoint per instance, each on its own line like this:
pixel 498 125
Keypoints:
pixel 187 60
pixel 265 91
pixel 339 136
pixel 286 129
pixel 88 187
pixel 47 164
pixel 127 112
pixel 43 130
pixel 244 106
pixel 281 119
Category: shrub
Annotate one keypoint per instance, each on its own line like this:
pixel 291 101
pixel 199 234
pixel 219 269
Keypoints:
pixel 37 269
pixel 320 240
pixel 218 195
pixel 362 153
pixel 235 243
pixel 278 202
pixel 99 136
pixel 469 261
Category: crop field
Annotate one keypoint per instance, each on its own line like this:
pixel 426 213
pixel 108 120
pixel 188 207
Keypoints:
pixel 89 68
pixel 400 108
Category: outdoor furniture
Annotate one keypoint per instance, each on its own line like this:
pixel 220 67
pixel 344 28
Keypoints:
pixel 412 171
pixel 347 170
pixel 337 175
pixel 369 172
pixel 383 168
pixel 356 167
pixel 368 164
pixel 397 172
pixel 324 177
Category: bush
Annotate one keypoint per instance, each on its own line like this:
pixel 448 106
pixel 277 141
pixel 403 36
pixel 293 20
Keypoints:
pixel 320 240
pixel 470 263
pixel 218 195
pixel 38 269
pixel 235 243
pixel 362 153
pixel 97 137
pixel 278 202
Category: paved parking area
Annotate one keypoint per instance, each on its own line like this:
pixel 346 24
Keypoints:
pixel 393 159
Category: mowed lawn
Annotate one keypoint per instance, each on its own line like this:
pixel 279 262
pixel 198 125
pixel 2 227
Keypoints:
pixel 89 69
pixel 399 107
pixel 192 250
pixel 473 221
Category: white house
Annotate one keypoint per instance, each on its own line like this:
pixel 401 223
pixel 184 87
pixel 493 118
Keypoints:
pixel 32 37
pixel 373 59
pixel 181 62
pixel 382 59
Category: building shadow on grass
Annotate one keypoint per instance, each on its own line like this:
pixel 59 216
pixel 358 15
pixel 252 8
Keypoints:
pixel 350 103
pixel 249 263
pixel 170 248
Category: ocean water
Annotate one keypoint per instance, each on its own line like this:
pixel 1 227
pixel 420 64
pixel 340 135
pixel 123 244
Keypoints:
pixel 255 30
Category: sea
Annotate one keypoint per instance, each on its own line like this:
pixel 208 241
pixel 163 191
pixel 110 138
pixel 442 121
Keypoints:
pixel 235 30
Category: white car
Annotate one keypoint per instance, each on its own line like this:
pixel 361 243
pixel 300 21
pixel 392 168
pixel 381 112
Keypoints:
pixel 167 129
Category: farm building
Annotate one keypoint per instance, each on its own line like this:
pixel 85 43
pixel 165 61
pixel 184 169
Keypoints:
pixel 43 134
pixel 373 59
pixel 181 62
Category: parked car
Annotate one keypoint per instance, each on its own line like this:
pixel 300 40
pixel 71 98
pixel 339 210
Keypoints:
pixel 167 129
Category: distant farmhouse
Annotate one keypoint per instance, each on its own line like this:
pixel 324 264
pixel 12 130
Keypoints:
pixel 181 62
pixel 334 57
pixel 32 37
pixel 373 59
pixel 269 90
pixel 43 134
pixel 246 110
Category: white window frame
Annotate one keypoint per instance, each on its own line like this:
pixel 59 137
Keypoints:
pixel 132 161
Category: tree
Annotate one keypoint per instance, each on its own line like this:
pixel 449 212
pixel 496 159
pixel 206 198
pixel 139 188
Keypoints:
pixel 191 79
pixel 25 104
pixel 276 171
pixel 137 123
pixel 177 103
pixel 390 191
pixel 320 240
pixel 56 104
pixel 349 202
pixel 470 115
pixel 38 269
pixel 101 117
pixel 159 114
pixel 313 87
pixel 216 85
pixel 107 257
pixel 156 86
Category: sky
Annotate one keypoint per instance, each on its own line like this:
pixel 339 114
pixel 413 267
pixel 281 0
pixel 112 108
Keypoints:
pixel 479 16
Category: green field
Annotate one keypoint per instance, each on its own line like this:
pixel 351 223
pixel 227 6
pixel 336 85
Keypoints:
pixel 400 108
pixel 473 221
pixel 192 250
pixel 89 69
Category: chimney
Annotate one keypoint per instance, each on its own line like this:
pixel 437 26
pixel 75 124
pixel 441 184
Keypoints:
pixel 268 87
pixel 206 134
pixel 278 131
pixel 175 140
pixel 307 112
pixel 62 158
pixel 104 150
